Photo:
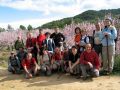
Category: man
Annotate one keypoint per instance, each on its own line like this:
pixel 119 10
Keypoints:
pixel 49 43
pixel 18 44
pixel 14 64
pixel 57 60
pixel 97 43
pixel 39 44
pixel 45 63
pixel 109 33
pixel 74 67
pixel 89 62
pixel 21 55
pixel 30 66
pixel 57 37
pixel 31 44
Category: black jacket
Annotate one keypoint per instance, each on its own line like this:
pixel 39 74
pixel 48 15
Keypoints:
pixel 57 37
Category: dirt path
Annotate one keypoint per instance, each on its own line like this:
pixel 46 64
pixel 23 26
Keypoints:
pixel 17 82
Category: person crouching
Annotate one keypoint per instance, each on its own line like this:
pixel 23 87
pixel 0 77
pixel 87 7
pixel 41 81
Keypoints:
pixel 74 67
pixel 89 62
pixel 45 63
pixel 30 66
pixel 57 60
pixel 14 64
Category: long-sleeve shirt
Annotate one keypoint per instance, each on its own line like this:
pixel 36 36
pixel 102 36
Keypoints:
pixel 91 57
pixel 97 37
pixel 57 37
pixel 30 42
pixel 112 34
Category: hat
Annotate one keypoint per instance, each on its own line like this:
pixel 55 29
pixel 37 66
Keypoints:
pixel 109 18
pixel 12 52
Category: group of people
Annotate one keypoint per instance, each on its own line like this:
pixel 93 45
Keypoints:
pixel 85 59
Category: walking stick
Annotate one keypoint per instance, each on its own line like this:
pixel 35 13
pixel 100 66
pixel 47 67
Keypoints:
pixel 108 54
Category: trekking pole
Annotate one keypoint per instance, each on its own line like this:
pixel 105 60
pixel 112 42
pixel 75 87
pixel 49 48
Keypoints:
pixel 108 54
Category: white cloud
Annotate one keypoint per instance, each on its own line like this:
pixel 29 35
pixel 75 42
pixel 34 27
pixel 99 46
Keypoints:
pixel 33 22
pixel 68 7
pixel 64 8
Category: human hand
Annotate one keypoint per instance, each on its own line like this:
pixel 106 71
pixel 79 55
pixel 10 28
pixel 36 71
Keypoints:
pixel 90 64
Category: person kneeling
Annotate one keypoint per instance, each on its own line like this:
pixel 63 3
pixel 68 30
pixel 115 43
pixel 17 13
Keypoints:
pixel 89 62
pixel 30 66
pixel 57 60
pixel 14 64
pixel 45 63
pixel 74 67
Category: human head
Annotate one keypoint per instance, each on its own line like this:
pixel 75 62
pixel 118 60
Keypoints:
pixel 77 30
pixel 83 32
pixel 29 56
pixel 21 49
pixel 107 21
pixel 56 30
pixel 40 31
pixel 74 50
pixel 98 26
pixel 29 35
pixel 47 34
pixel 57 50
pixel 88 47
pixel 12 53
pixel 19 38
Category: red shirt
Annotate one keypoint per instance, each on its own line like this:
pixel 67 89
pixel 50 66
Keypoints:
pixel 57 56
pixel 30 42
pixel 28 63
pixel 40 40
pixel 90 57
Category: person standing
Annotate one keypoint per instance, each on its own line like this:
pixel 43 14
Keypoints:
pixel 108 34
pixel 31 44
pixel 57 37
pixel 39 44
pixel 97 43
pixel 18 44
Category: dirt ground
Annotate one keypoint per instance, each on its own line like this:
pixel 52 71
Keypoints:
pixel 9 81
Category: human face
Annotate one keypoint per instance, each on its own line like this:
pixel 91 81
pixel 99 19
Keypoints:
pixel 107 22
pixel 57 50
pixel 88 47
pixel 98 27
pixel 48 36
pixel 29 56
pixel 83 33
pixel 56 30
pixel 74 51
pixel 40 31
pixel 19 38
pixel 77 31
pixel 12 54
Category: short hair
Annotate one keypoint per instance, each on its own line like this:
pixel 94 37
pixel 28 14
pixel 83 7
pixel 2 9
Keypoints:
pixel 40 29
pixel 74 47
pixel 47 33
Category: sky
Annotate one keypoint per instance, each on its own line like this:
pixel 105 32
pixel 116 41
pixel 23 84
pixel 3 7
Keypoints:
pixel 38 12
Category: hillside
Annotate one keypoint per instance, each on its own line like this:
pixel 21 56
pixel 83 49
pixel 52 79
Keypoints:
pixel 90 15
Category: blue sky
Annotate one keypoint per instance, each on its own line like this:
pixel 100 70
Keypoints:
pixel 38 12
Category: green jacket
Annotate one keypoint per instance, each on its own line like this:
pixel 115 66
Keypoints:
pixel 18 44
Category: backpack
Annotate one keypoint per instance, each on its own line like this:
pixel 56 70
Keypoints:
pixel 13 61
pixel 116 39
pixel 91 40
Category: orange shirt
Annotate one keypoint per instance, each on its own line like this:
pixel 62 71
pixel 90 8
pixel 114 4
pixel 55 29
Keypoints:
pixel 77 38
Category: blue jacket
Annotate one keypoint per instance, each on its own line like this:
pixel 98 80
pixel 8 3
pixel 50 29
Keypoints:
pixel 112 34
